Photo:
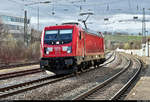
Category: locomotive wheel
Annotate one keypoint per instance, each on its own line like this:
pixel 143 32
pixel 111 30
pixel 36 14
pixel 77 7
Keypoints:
pixel 92 63
pixel 82 69
pixel 75 70
pixel 102 60
pixel 96 64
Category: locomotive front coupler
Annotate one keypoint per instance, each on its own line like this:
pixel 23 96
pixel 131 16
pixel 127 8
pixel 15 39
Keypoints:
pixel 44 63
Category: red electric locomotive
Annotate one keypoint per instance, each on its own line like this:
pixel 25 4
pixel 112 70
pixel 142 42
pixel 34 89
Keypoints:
pixel 68 48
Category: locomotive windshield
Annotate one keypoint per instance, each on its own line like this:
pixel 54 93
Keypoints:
pixel 63 36
pixel 51 34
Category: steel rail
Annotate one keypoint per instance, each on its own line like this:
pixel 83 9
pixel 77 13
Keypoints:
pixel 125 87
pixel 110 55
pixel 19 73
pixel 101 85
pixel 114 53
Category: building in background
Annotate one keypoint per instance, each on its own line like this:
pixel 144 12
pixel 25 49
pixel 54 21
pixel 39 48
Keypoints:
pixel 15 25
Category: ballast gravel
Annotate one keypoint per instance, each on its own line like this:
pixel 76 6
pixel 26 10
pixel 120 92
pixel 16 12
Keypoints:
pixel 22 79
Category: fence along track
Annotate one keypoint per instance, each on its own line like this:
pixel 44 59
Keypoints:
pixel 22 87
pixel 101 85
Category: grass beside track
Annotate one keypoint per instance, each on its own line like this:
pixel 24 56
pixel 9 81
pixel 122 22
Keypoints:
pixel 123 38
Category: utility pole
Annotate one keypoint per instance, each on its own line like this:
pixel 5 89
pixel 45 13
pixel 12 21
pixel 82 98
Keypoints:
pixel 144 25
pixel 107 7
pixel 144 32
pixel 38 18
pixel 148 46
pixel 143 28
pixel 25 27
pixel 137 7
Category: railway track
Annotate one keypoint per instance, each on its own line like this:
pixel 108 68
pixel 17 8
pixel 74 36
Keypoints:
pixel 125 87
pixel 22 87
pixel 94 91
pixel 113 54
pixel 18 88
pixel 17 65
pixel 19 73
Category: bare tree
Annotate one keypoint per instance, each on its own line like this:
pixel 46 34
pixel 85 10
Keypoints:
pixel 1 27
pixel 3 30
pixel 35 35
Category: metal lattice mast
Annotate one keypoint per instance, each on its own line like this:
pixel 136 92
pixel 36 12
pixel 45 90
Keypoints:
pixel 144 26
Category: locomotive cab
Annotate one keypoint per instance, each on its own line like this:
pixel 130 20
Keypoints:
pixel 57 52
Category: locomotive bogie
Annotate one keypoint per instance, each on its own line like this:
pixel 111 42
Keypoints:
pixel 65 65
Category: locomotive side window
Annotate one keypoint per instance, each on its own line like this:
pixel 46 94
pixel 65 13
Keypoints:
pixel 80 35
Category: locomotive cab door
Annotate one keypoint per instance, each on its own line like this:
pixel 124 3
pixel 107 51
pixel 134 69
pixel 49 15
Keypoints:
pixel 81 43
pixel 84 46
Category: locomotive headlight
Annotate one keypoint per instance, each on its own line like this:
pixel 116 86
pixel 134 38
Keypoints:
pixel 64 48
pixel 49 49
pixel 47 52
pixel 69 49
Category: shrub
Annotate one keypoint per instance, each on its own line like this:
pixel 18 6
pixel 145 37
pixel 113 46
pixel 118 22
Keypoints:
pixel 126 46
pixel 33 51
pixel 14 51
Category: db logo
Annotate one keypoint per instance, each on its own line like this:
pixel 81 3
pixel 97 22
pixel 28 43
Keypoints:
pixel 57 48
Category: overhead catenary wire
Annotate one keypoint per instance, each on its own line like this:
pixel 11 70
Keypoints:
pixel 82 3
pixel 29 8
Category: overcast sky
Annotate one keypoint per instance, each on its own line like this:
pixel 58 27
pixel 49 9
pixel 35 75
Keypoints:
pixel 119 12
